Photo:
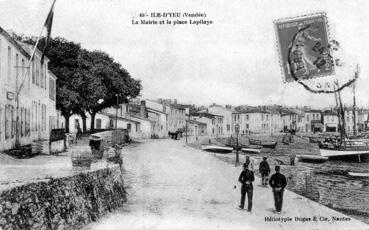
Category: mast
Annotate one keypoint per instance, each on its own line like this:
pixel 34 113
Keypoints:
pixel 338 114
pixel 342 116
pixel 354 108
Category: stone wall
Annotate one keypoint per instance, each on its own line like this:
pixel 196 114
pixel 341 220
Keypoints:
pixel 62 203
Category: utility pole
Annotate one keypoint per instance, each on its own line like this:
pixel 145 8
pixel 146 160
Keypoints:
pixel 237 127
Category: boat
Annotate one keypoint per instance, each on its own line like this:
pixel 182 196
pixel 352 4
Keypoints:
pixel 311 158
pixel 216 149
pixel 343 146
pixel 265 144
pixel 251 149
pixel 315 139
pixel 358 174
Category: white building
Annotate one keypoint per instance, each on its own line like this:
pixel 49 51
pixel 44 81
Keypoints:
pixel 31 120
pixel 330 121
pixel 253 120
pixel 226 113
pixel 214 123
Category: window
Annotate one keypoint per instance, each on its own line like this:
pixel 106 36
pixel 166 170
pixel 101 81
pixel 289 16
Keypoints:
pixel 12 121
pixel 247 126
pixel 247 117
pixel 21 122
pixel 7 121
pixel 9 63
pixel 17 68
pixel 129 127
pixel 52 93
pixel 42 75
pixel 228 127
pixel 37 71
pixel 33 72
pixel 307 117
pixel 98 123
pixel 22 76
pixel 262 117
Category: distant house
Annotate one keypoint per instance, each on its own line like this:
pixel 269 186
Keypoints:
pixel 214 123
pixel 349 120
pixel 196 128
pixel 289 119
pixel 226 113
pixel 255 120
pixel 330 121
pixel 314 120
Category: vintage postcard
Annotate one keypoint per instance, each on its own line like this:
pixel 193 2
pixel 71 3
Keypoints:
pixel 184 114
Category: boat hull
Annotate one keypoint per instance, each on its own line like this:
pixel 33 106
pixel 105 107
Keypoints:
pixel 265 144
pixel 342 152
pixel 251 150
pixel 312 158
pixel 216 149
pixel 355 174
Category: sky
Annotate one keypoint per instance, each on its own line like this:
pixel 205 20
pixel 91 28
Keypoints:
pixel 234 60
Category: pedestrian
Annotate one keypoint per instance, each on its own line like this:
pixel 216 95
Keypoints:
pixel 249 163
pixel 246 178
pixel 264 170
pixel 278 182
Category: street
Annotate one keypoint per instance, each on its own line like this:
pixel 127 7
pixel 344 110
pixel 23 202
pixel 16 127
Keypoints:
pixel 173 186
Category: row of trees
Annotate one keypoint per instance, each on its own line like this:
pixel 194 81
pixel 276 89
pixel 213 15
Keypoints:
pixel 84 78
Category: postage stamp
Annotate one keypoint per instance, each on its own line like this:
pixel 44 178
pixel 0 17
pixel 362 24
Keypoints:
pixel 304 47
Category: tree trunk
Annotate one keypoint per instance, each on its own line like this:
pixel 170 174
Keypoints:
pixel 84 117
pixel 92 127
pixel 66 117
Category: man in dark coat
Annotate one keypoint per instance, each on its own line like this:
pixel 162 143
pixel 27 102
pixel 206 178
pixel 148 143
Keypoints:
pixel 246 178
pixel 278 182
pixel 264 171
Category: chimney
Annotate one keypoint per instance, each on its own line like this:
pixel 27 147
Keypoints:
pixel 143 109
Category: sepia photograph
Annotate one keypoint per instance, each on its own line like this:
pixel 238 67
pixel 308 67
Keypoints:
pixel 184 114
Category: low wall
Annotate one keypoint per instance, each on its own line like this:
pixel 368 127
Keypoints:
pixel 62 203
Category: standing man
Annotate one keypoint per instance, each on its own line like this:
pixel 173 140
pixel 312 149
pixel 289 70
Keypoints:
pixel 246 178
pixel 278 182
pixel 264 170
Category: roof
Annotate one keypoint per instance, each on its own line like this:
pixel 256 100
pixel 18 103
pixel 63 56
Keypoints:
pixel 330 113
pixel 205 113
pixel 14 42
pixel 119 118
pixel 197 122
pixel 29 48
pixel 313 111
pixel 285 111
pixel 51 74
pixel 155 111
pixel 250 109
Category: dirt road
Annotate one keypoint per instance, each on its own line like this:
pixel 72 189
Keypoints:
pixel 173 186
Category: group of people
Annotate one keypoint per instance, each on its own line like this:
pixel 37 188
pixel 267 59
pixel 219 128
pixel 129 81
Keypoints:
pixel 277 182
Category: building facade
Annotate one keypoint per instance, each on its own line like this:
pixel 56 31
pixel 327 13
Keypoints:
pixel 226 113
pixel 30 121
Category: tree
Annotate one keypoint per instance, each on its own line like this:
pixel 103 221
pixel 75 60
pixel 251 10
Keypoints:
pixel 104 79
pixel 64 64
pixel 84 77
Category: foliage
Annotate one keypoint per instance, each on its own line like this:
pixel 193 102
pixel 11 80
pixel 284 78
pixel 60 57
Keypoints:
pixel 84 77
